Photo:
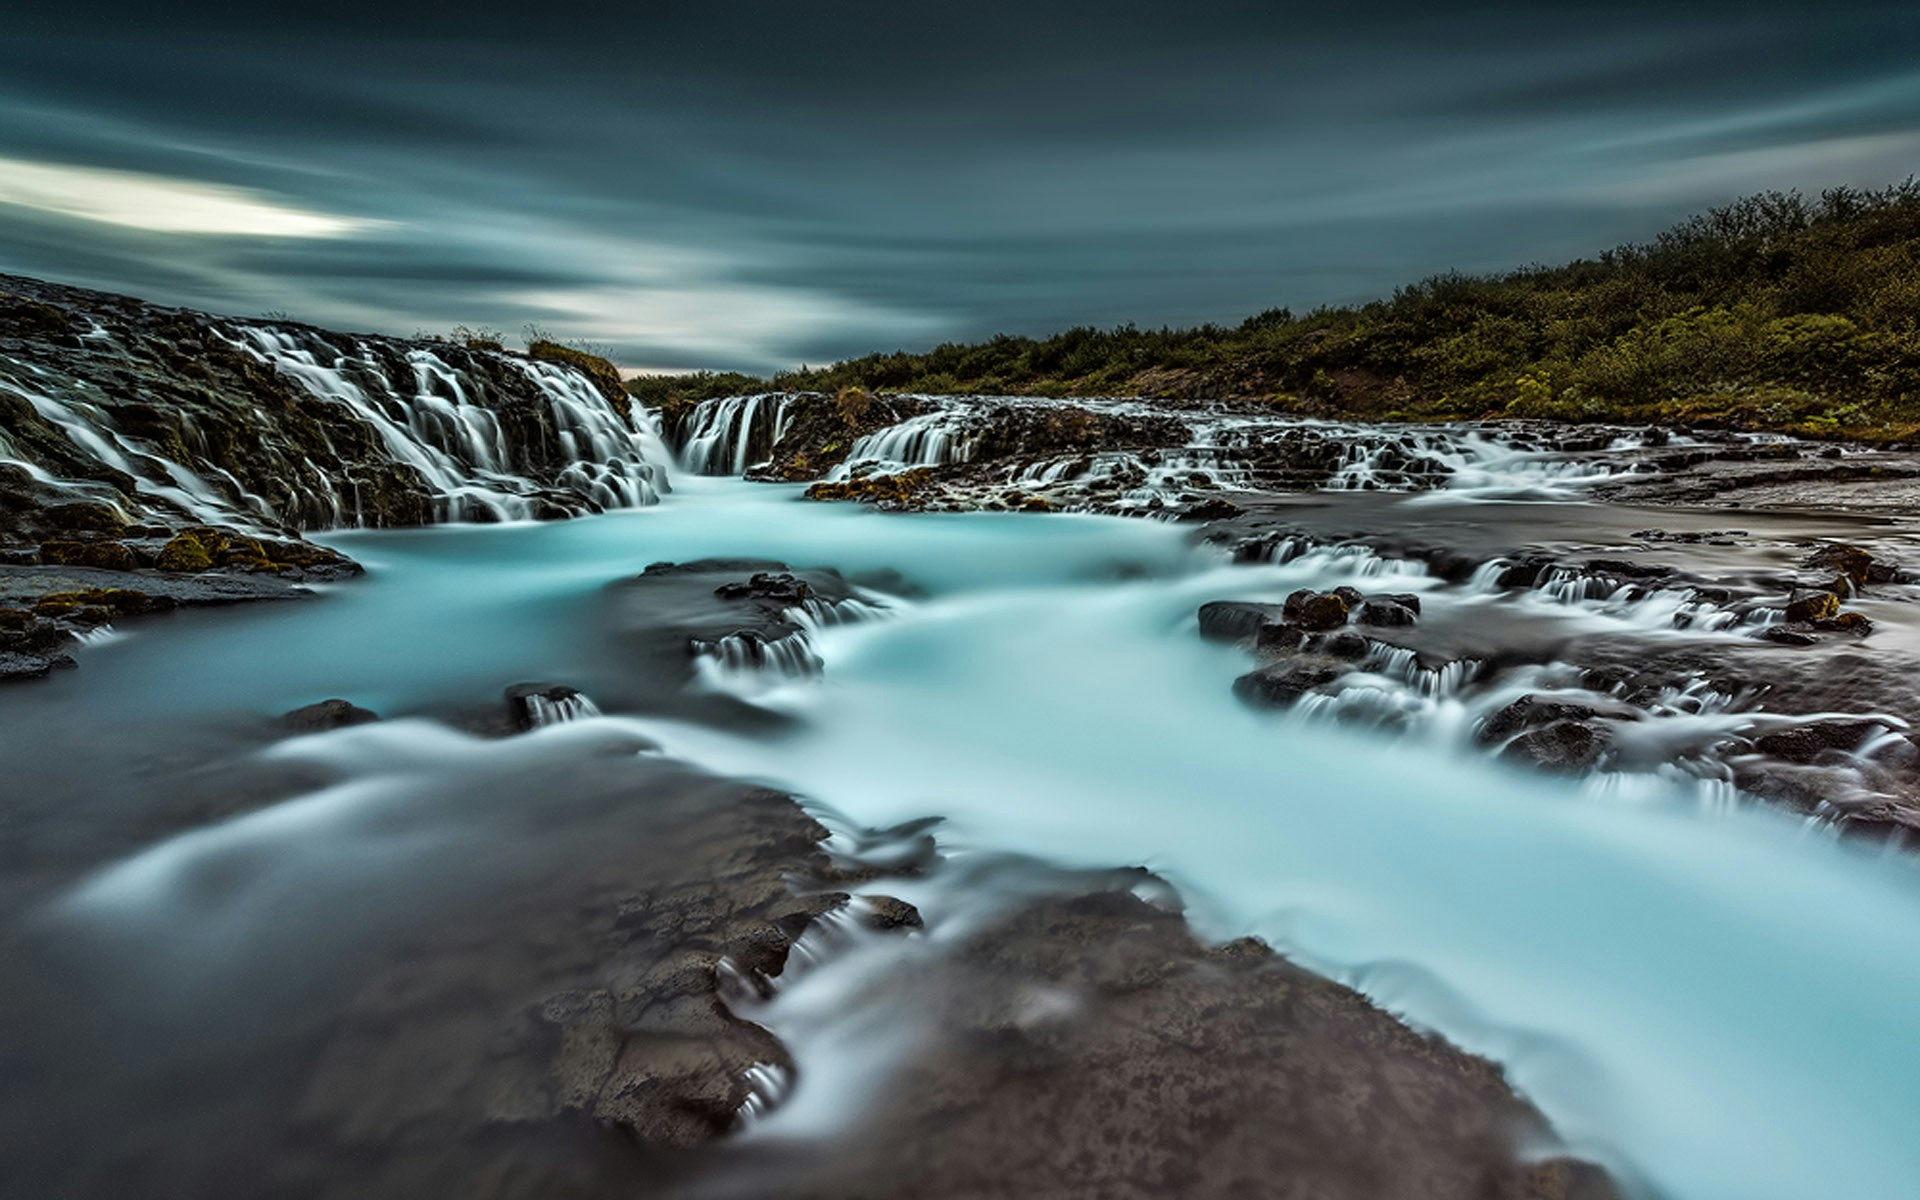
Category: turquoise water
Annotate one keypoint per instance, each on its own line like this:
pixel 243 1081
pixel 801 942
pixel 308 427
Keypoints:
pixel 1718 1002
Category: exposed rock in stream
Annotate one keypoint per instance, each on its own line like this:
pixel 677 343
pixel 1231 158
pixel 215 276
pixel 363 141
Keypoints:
pixel 1751 685
pixel 1086 1045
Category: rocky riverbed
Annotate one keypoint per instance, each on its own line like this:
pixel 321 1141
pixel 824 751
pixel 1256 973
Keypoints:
pixel 582 1024
pixel 748 845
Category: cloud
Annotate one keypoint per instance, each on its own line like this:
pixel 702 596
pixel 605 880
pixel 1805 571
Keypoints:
pixel 757 184
pixel 162 205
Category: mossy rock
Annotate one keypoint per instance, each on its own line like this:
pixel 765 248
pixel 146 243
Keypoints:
pixel 1315 611
pixel 24 318
pixel 185 553
pixel 604 376
pixel 107 600
pixel 906 490
pixel 86 517
pixel 1819 606
pixel 107 556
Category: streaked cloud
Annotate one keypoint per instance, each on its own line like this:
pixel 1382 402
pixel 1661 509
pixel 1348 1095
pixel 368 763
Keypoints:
pixel 758 184
pixel 162 205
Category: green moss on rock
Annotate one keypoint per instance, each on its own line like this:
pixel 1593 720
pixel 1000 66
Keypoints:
pixel 107 556
pixel 604 376
pixel 908 489
pixel 185 553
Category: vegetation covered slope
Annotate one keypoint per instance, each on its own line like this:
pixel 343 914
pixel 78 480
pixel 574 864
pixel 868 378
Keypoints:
pixel 1776 312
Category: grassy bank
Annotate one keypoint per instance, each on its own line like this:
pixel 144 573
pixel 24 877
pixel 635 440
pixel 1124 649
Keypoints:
pixel 1778 312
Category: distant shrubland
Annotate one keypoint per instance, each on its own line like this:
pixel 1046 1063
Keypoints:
pixel 1779 312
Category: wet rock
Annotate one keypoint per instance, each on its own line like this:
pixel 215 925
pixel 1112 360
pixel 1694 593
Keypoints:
pixel 1813 606
pixel 326 715
pixel 886 914
pixel 1386 613
pixel 1853 623
pixel 1521 573
pixel 1782 635
pixel 27 632
pixel 16 667
pixel 1548 734
pixel 1315 611
pixel 1088 1045
pixel 1852 563
pixel 904 492
pixel 532 705
pixel 1563 746
pixel 1815 742
pixel 1277 638
pixel 86 517
pixel 185 553
pixel 593 995
pixel 1280 685
pixel 1343 644
pixel 1234 620
pixel 1529 712
pixel 105 556
pixel 1211 509
pixel 781 588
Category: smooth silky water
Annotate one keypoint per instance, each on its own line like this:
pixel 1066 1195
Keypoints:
pixel 1719 1003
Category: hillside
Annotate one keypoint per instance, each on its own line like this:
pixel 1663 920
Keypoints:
pixel 1777 312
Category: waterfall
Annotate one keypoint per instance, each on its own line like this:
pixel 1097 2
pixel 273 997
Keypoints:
pixel 456 443
pixel 932 439
pixel 266 427
pixel 719 436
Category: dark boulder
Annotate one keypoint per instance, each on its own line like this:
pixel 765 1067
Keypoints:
pixel 1343 644
pixel 1855 565
pixel 1813 743
pixel 1233 620
pixel 535 704
pixel 327 715
pixel 1813 606
pixel 1529 712
pixel 1384 612
pixel 16 667
pixel 1563 746
pixel 106 556
pixel 781 588
pixel 1315 611
pixel 1282 684
pixel 1211 509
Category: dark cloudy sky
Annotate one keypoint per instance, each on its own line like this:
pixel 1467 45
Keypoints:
pixel 738 184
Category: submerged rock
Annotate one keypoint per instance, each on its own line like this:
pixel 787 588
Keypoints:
pixel 326 715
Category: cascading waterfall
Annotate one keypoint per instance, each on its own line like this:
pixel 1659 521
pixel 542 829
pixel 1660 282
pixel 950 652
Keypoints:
pixel 469 440
pixel 931 439
pixel 457 445
pixel 720 436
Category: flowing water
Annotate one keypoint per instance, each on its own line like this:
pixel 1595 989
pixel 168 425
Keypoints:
pixel 1714 999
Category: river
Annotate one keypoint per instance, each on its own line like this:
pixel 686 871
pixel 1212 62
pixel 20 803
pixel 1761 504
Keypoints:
pixel 1709 997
